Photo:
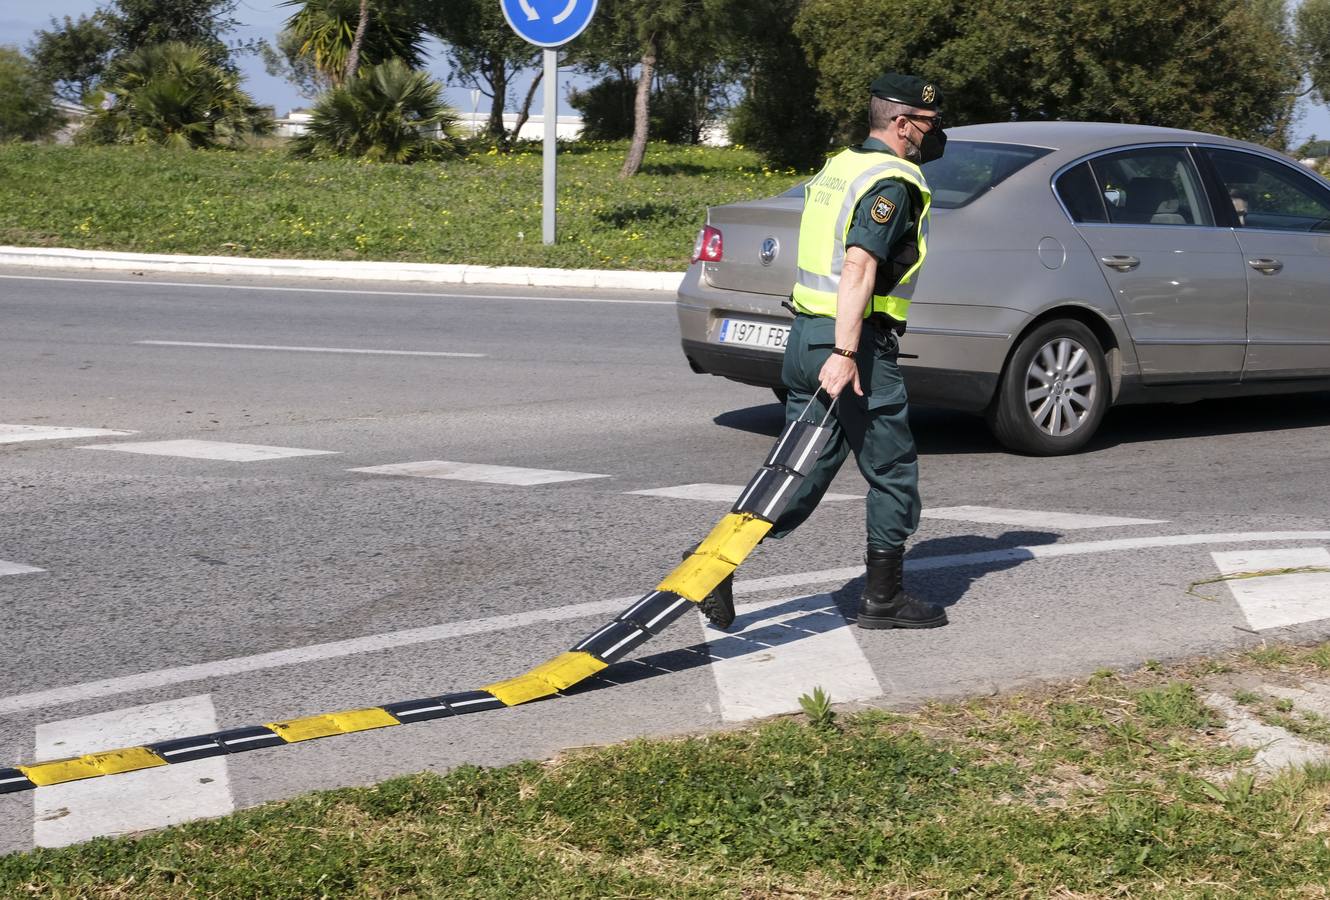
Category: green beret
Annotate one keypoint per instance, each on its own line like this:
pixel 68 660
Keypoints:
pixel 907 89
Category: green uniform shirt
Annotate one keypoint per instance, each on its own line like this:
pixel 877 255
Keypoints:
pixel 872 234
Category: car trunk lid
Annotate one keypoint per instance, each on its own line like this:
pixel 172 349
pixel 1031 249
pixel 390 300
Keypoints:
pixel 746 227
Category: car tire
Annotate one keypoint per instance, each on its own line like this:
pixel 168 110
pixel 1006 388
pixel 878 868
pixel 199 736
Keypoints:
pixel 782 394
pixel 1053 392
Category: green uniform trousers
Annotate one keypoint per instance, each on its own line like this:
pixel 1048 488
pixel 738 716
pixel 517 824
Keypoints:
pixel 875 427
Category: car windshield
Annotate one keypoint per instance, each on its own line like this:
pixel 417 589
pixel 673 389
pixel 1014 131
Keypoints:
pixel 968 170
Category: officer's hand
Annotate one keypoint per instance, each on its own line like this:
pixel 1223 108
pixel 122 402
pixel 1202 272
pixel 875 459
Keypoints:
pixel 837 372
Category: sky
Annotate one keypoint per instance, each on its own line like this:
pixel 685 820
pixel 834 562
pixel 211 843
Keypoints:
pixel 19 19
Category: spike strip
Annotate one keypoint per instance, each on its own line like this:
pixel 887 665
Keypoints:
pixel 728 544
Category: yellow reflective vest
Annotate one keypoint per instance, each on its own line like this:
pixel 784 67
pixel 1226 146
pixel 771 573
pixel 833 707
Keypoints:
pixel 830 200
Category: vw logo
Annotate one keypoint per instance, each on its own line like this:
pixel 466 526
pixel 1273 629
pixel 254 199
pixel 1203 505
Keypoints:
pixel 770 247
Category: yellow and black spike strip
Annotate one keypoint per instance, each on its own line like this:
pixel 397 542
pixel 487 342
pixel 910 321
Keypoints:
pixel 728 544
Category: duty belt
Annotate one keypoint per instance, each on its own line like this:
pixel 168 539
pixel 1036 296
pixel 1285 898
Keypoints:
pixel 879 321
pixel 883 322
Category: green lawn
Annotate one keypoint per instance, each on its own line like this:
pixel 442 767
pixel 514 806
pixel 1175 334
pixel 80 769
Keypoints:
pixel 1118 786
pixel 485 208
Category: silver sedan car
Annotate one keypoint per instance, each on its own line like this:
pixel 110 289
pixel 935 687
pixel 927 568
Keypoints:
pixel 1071 266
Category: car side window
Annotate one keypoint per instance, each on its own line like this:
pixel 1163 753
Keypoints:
pixel 1081 195
pixel 1267 194
pixel 1152 186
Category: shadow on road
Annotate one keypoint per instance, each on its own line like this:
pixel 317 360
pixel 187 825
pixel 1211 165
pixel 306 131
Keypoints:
pixel 945 432
pixel 960 561
pixel 767 419
pixel 1212 418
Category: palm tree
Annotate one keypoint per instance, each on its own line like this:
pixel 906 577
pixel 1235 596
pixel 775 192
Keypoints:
pixel 328 31
pixel 171 94
pixel 387 113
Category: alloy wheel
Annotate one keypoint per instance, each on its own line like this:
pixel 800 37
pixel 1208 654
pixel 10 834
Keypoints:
pixel 1060 387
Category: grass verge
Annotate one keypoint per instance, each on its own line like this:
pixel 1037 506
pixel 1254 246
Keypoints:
pixel 1121 785
pixel 484 209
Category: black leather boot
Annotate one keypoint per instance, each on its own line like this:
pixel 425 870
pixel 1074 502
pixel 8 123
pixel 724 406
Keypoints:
pixel 885 603
pixel 718 606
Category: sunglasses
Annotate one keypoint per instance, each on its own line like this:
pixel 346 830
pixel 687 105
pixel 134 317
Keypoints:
pixel 935 121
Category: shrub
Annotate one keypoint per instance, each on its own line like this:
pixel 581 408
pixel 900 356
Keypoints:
pixel 387 113
pixel 170 94
pixel 678 116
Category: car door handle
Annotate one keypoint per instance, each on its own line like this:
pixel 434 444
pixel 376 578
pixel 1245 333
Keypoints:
pixel 1120 262
pixel 1265 264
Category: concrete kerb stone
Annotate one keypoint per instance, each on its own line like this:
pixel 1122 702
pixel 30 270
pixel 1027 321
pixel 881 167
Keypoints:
pixel 60 258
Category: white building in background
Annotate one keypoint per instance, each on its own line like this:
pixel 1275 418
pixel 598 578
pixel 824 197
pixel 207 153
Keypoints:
pixel 568 128
pixel 293 124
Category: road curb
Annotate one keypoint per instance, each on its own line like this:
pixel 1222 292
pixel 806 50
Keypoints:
pixel 432 273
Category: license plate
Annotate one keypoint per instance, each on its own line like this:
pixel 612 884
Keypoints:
pixel 753 334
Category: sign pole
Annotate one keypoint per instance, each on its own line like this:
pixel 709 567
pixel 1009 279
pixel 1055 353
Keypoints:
pixel 551 142
pixel 549 24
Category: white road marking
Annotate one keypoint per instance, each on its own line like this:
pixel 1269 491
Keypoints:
pixel 1272 601
pixel 13 434
pixel 458 471
pixel 424 295
pixel 785 648
pixel 446 631
pixel 13 568
pixel 135 801
pixel 1030 517
pixel 310 349
pixel 219 450
pixel 718 493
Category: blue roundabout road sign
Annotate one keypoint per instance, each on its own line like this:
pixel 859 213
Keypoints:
pixel 548 23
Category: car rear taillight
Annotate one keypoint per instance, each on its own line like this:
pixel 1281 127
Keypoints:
pixel 709 246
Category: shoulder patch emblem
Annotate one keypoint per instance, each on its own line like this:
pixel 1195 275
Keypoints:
pixel 883 209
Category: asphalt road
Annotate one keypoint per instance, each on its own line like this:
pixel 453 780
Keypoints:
pixel 164 579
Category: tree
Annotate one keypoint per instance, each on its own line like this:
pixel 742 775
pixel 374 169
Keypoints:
pixel 73 54
pixel 681 108
pixel 387 113
pixel 483 50
pixel 26 111
pixel 778 115
pixel 1312 21
pixel 200 23
pixel 655 37
pixel 286 61
pixel 174 95
pixel 324 33
pixel 357 41
pixel 1226 66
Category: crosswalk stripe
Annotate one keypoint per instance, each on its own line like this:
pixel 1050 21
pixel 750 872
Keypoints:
pixel 13 434
pixel 1032 518
pixel 67 814
pixel 214 450
pixel 13 568
pixel 459 471
pixel 1274 600
pixel 717 493
pixel 782 649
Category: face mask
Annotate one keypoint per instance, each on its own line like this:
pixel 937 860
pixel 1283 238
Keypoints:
pixel 932 145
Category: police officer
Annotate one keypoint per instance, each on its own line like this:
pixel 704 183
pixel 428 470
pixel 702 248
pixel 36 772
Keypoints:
pixel 862 240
